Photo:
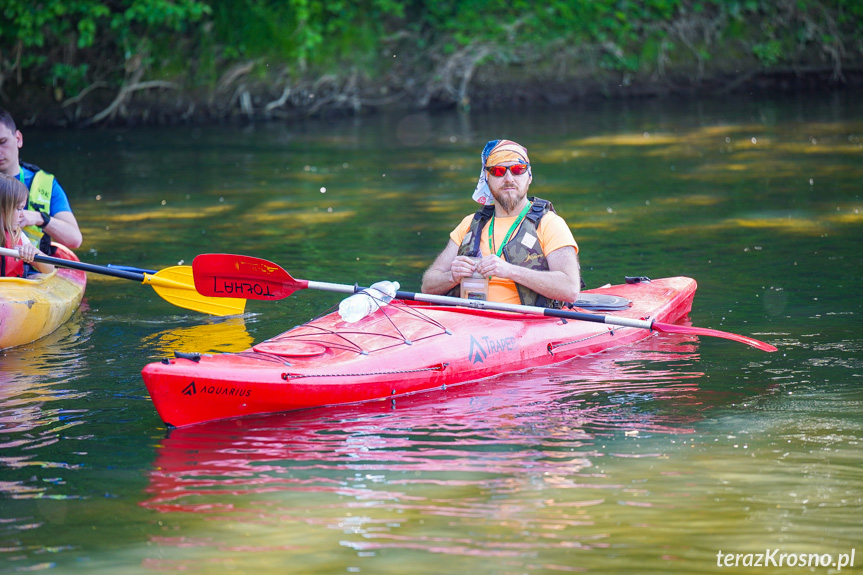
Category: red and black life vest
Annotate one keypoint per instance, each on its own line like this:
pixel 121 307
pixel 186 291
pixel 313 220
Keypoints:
pixel 10 267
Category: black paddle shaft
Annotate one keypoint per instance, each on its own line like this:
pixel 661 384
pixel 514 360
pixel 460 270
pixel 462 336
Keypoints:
pixel 518 308
pixel 90 268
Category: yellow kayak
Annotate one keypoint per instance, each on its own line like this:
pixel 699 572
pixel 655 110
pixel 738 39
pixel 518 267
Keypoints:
pixel 34 307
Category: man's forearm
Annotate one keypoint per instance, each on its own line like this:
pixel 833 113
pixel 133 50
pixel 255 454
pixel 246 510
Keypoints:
pixel 552 284
pixel 437 281
pixel 64 231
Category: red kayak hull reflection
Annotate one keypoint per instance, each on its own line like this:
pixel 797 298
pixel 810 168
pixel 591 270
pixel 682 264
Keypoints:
pixel 201 468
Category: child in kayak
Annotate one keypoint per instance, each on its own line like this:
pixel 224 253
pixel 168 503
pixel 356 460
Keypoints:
pixel 13 202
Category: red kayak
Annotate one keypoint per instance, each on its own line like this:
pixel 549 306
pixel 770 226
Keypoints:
pixel 403 348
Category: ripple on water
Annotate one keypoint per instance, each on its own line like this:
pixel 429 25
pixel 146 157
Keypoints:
pixel 37 388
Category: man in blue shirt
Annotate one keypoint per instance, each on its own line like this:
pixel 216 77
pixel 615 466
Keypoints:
pixel 48 210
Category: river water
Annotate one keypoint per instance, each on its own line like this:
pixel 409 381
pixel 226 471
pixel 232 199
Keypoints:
pixel 655 458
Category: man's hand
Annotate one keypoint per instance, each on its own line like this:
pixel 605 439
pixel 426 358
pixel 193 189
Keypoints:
pixel 492 265
pixel 32 218
pixel 462 267
pixel 63 228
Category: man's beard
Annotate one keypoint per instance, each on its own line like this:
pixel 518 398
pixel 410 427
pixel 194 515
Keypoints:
pixel 508 199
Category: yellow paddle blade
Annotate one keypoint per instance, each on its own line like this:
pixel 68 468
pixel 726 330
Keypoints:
pixel 177 286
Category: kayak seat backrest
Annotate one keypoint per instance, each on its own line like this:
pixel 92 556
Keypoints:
pixel 602 302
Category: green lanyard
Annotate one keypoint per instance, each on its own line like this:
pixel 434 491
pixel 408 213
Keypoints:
pixel 508 234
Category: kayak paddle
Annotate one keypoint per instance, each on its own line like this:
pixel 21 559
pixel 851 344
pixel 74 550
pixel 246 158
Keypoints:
pixel 131 269
pixel 173 284
pixel 227 275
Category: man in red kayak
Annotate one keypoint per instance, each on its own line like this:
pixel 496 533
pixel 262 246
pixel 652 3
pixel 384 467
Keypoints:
pixel 525 249
pixel 48 211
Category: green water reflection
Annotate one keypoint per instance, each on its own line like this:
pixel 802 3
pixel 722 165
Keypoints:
pixel 645 460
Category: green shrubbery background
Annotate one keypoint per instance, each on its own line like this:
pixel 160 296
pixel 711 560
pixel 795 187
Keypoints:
pixel 92 61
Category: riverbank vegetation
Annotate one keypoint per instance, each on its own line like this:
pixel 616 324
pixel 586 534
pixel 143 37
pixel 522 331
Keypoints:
pixel 96 62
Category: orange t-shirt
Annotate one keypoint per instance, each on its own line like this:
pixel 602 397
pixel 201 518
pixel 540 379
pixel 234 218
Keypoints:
pixel 553 234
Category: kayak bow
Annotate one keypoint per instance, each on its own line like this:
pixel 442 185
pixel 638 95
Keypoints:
pixel 33 307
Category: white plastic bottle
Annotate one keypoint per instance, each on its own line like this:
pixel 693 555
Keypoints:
pixel 367 301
